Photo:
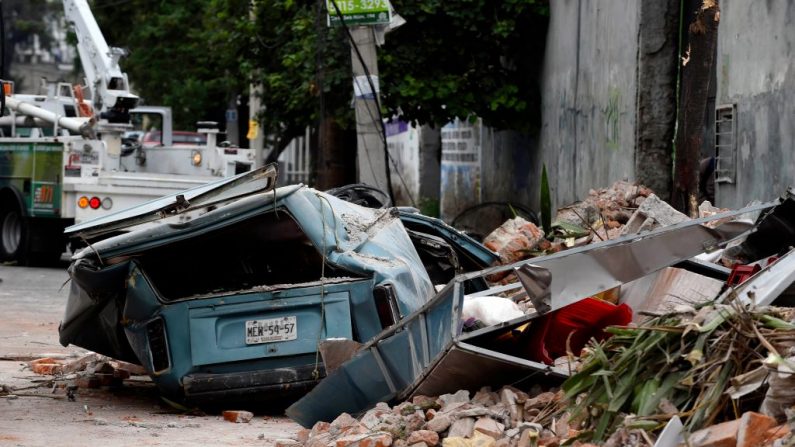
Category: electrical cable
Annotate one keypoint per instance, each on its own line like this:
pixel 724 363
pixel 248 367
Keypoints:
pixel 375 95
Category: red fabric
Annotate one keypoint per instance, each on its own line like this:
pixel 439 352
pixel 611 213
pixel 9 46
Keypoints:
pixel 546 339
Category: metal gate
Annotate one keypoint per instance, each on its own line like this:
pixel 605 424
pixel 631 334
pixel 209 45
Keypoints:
pixel 295 163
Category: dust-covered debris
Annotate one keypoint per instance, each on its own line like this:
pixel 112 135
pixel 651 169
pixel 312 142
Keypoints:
pixel 613 204
pixel 502 417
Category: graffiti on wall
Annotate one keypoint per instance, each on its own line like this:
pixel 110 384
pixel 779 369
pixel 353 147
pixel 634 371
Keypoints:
pixel 613 119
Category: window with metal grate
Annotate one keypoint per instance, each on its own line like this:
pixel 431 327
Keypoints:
pixel 725 144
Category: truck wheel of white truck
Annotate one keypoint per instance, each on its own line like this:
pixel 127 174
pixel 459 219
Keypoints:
pixel 13 232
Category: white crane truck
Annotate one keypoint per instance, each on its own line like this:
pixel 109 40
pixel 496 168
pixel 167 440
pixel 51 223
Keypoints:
pixel 62 160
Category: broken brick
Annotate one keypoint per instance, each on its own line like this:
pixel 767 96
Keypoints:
pixel 779 432
pixel 129 368
pixel 489 427
pixel 238 416
pixel 318 428
pixel 753 429
pixel 718 435
pixel 46 366
pixel 429 437
pixel 88 382
pixel 303 435
pixel 343 422
pixel 369 440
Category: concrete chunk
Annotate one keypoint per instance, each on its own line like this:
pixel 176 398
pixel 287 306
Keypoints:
pixel 652 213
pixel 462 428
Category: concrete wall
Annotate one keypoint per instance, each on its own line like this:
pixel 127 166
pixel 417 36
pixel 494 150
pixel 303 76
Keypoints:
pixel 414 165
pixel 756 72
pixel 589 91
pixel 608 111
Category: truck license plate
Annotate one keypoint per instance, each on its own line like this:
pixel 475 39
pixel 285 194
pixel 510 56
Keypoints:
pixel 268 331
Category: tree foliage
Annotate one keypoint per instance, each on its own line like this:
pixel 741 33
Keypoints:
pixel 451 59
pixel 302 67
pixel 458 59
pixel 183 53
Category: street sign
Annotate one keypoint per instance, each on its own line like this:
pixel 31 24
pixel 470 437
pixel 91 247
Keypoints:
pixel 359 12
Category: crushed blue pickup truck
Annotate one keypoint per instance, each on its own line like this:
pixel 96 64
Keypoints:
pixel 227 289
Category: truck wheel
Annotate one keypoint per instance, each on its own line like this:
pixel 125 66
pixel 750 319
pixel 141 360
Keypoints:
pixel 13 233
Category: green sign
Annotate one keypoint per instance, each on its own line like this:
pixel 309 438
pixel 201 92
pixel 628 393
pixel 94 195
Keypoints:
pixel 359 12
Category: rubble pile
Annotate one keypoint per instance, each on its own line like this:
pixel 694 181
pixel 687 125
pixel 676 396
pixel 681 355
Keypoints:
pixel 690 364
pixel 89 371
pixel 606 214
pixel 514 240
pixel 605 209
pixel 503 418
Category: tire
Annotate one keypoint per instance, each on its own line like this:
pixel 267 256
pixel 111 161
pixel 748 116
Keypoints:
pixel 13 234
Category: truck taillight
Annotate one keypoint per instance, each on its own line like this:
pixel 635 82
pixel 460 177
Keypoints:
pixel 107 203
pixel 94 203
pixel 82 202
pixel 386 305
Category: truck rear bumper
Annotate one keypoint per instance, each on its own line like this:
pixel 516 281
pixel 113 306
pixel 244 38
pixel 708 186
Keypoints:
pixel 275 383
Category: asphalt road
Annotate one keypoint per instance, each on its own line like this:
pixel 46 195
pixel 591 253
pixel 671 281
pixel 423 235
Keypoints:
pixel 33 301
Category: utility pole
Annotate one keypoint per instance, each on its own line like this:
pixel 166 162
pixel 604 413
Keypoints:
pixel 371 157
pixel 256 139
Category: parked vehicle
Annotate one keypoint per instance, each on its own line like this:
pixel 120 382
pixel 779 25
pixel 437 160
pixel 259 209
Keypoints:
pixel 233 291
pixel 67 159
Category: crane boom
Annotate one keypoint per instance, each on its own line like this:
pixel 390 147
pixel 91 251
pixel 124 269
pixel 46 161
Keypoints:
pixel 110 89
